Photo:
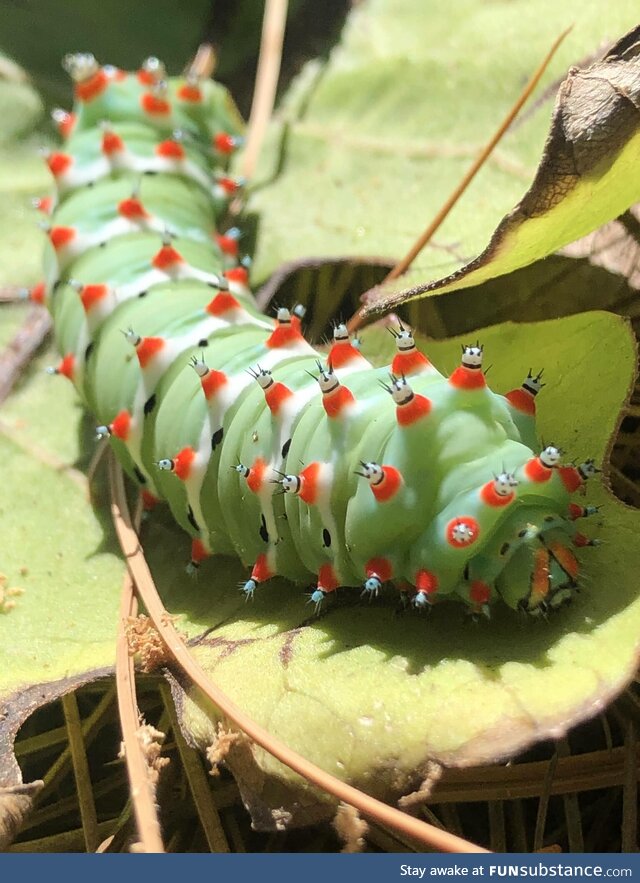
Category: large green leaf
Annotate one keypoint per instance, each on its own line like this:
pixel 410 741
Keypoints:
pixel 57 546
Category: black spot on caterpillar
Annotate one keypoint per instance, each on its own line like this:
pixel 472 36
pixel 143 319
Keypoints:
pixel 216 438
pixel 393 488
pixel 192 519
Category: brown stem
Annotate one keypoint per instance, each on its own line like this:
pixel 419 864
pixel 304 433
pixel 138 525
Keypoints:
pixel 273 26
pixel 142 790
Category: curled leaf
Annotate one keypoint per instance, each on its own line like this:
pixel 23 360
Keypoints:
pixel 586 177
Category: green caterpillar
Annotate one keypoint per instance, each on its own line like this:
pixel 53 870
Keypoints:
pixel 319 468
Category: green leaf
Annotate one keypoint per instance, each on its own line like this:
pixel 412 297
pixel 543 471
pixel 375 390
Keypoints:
pixel 56 546
pixel 372 695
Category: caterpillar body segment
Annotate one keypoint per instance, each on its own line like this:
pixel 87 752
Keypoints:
pixel 314 466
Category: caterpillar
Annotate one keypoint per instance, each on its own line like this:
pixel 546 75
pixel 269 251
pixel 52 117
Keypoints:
pixel 317 467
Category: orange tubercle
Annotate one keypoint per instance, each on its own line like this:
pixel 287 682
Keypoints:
pixel 91 88
pixel 224 142
pixel 309 478
pixel 65 123
pixel 190 93
pixel 571 478
pixel 335 403
pixel 61 236
pixel 261 570
pixel 490 497
pixel 276 395
pixel 414 410
pixel 59 163
pixel 121 425
pixel 342 353
pixel 92 294
pixel 283 335
pixel 170 150
pixel 112 143
pixel 212 382
pixel 389 486
pixel 198 551
pixel 222 303
pixel 256 475
pixel 426 582
pixel 479 592
pixel 535 470
pixel 410 362
pixel 183 461
pixel 44 204
pixel 228 245
pixel 229 185
pixel 155 106
pixel 132 209
pixel 522 401
pixel 237 274
pixel 38 293
pixel 149 500
pixel 467 378
pixel 67 366
pixel 450 531
pixel 166 257
pixel 148 348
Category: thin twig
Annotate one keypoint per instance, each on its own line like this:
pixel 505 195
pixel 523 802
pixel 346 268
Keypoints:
pixel 264 94
pixel 142 790
pixel 88 814
pixel 366 805
pixel 203 63
pixel 357 320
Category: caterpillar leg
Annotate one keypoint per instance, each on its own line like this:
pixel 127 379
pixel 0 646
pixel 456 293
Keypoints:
pixel 260 573
pixel 327 582
pixel 377 571
pixel 199 553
